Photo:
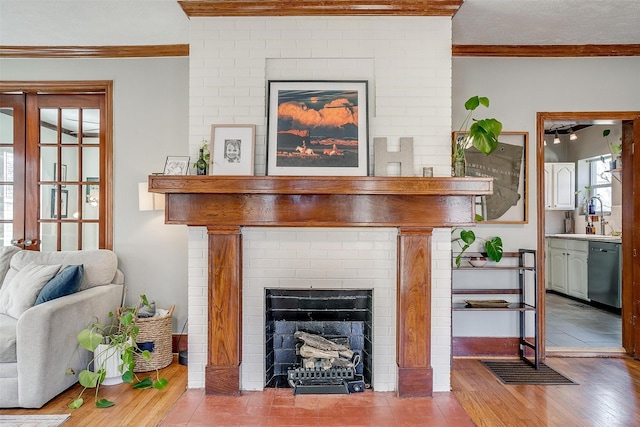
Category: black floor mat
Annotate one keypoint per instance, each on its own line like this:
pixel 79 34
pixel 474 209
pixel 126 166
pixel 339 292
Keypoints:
pixel 521 372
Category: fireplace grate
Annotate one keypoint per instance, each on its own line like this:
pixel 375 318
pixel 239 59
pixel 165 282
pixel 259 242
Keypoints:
pixel 325 381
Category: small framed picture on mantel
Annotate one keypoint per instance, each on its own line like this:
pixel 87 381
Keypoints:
pixel 232 149
pixel 176 165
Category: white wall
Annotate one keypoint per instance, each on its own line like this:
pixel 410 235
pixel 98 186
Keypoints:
pixel 150 121
pixel 518 88
pixel 407 62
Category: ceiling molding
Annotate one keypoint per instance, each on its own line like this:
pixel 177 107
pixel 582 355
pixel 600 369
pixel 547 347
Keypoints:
pixel 143 51
pixel 199 8
pixel 547 51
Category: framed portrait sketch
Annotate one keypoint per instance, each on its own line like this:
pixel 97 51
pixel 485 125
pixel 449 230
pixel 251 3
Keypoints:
pixel 508 167
pixel 232 149
pixel 317 128
pixel 176 165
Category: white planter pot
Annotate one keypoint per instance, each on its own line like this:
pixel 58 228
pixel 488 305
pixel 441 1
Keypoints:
pixel 110 358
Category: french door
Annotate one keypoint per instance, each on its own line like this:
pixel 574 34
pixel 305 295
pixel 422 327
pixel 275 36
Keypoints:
pixel 54 170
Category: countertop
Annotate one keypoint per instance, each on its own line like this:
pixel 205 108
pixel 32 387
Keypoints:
pixel 596 237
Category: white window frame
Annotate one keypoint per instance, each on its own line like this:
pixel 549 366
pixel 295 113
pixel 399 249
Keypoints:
pixel 603 160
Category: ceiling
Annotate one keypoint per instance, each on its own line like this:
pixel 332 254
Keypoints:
pixel 547 22
pixel 149 22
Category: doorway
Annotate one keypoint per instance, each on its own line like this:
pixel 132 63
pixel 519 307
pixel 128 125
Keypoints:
pixel 579 160
pixel 630 127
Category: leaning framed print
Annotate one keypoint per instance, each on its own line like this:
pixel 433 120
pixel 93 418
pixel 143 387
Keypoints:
pixel 508 167
pixel 232 149
pixel 317 128
pixel 176 165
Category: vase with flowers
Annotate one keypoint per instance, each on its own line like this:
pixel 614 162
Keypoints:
pixel 482 134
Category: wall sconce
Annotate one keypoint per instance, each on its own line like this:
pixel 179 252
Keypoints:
pixel 149 201
pixel 556 139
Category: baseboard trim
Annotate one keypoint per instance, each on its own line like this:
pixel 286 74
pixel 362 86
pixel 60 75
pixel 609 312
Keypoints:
pixel 179 342
pixel 485 346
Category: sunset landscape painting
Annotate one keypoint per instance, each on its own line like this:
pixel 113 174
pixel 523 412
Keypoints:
pixel 317 128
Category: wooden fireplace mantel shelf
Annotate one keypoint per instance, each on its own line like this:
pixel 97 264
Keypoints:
pixel 319 201
pixel 225 204
pixel 318 185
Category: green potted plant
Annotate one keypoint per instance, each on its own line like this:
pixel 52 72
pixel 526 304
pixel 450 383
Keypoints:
pixel 482 134
pixel 492 246
pixel 118 341
pixel 614 149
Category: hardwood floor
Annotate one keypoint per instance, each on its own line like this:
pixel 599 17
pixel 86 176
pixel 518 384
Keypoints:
pixel 607 394
pixel 140 408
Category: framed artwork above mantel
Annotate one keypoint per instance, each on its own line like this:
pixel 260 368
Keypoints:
pixel 317 128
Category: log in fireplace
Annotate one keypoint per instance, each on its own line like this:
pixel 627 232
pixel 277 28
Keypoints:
pixel 414 206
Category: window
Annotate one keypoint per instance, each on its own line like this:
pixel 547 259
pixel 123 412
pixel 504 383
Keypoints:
pixel 600 181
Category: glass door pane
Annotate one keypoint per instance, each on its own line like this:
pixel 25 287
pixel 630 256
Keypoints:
pixel 12 147
pixel 70 170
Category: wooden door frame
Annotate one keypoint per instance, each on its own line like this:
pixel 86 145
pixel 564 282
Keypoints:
pixel 90 86
pixel 16 103
pixel 630 226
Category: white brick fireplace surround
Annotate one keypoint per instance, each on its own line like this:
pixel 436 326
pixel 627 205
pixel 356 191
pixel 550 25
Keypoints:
pixel 407 63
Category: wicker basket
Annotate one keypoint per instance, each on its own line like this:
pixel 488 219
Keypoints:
pixel 155 332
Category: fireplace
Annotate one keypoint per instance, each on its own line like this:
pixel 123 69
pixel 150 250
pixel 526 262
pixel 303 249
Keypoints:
pixel 339 315
pixel 414 206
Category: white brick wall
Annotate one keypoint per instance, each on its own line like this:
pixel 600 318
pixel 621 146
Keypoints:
pixel 407 62
pixel 305 258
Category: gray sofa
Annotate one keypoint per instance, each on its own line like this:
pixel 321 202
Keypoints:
pixel 38 346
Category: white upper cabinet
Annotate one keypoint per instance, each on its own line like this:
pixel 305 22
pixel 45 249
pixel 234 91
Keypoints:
pixel 560 185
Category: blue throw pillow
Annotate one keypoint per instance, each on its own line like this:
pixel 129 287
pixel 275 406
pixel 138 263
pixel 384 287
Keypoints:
pixel 66 282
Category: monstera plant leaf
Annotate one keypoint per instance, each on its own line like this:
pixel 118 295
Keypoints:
pixel 484 135
pixel 493 247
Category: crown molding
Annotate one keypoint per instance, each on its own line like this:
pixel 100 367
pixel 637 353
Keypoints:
pixel 546 51
pixel 199 8
pixel 142 51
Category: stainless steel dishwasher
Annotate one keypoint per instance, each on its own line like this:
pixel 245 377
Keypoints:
pixel 604 273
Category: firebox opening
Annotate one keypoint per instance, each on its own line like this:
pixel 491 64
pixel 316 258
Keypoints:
pixel 337 315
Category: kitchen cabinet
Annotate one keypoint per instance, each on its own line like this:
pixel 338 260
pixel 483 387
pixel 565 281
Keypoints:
pixel 568 267
pixel 559 186
pixel 558 270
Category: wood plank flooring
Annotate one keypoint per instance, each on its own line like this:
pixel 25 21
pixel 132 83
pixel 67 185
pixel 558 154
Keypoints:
pixel 607 394
pixel 132 407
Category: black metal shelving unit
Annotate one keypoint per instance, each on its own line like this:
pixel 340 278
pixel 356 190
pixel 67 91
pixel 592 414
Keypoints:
pixel 527 302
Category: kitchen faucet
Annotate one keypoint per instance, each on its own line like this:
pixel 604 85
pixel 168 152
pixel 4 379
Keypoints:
pixel 602 221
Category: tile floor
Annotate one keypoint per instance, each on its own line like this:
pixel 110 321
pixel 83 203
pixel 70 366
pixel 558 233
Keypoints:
pixel 279 407
pixel 574 324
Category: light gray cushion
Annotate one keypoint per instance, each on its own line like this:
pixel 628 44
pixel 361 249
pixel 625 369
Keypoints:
pixel 100 265
pixel 21 292
pixel 6 252
pixel 7 339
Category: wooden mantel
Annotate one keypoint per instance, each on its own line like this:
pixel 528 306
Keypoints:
pixel 415 206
